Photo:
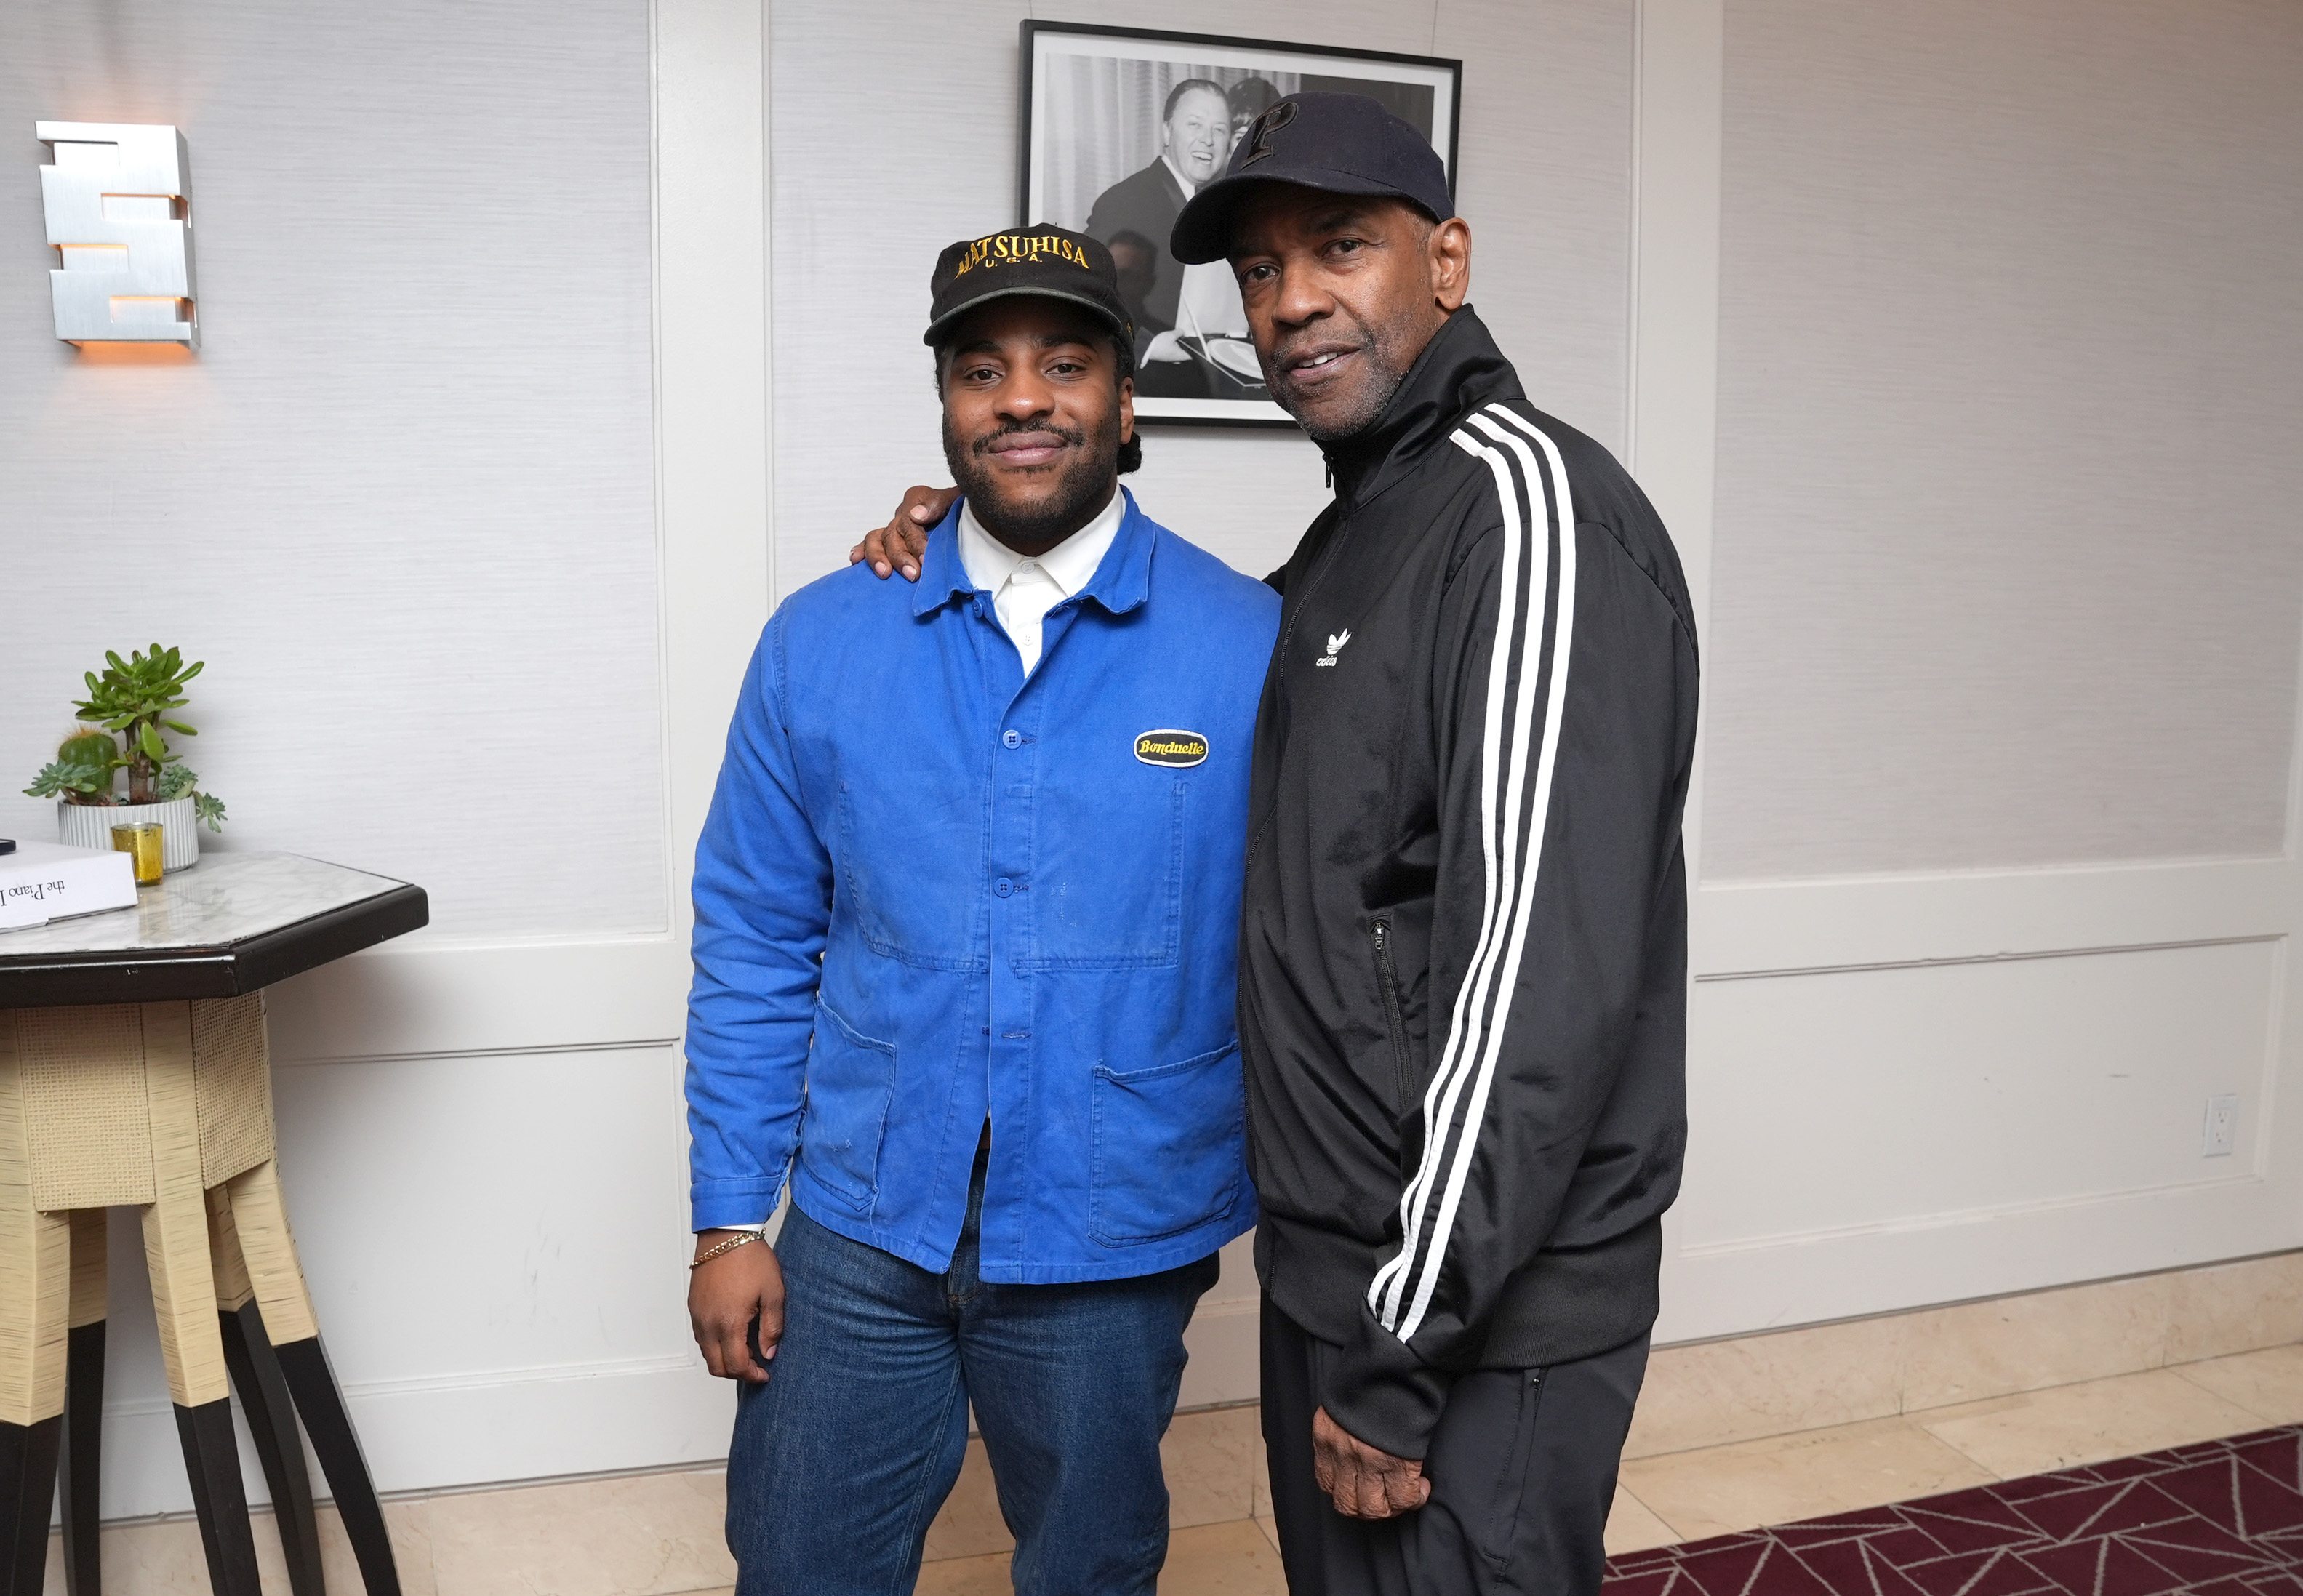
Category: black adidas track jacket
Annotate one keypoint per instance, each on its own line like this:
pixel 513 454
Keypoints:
pixel 1463 943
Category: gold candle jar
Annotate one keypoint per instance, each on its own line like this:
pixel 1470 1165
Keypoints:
pixel 141 844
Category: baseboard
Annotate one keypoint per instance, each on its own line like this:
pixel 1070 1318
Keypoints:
pixel 1743 1388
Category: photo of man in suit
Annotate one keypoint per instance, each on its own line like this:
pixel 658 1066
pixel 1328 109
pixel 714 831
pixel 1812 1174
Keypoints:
pixel 1195 139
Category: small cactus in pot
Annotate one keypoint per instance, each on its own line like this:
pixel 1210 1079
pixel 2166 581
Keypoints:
pixel 124 717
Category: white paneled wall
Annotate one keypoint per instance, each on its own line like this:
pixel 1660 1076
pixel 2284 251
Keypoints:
pixel 466 499
pixel 2011 516
pixel 2004 577
pixel 2074 1079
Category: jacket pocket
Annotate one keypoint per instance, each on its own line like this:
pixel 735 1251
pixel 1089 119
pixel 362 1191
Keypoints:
pixel 1501 1536
pixel 1110 896
pixel 1387 978
pixel 1169 1147
pixel 850 1080
pixel 927 912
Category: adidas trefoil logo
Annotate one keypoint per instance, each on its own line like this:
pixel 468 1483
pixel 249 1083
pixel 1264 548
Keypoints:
pixel 1335 641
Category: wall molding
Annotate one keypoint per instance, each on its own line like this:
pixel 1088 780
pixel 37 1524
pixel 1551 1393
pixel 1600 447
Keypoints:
pixel 1982 1215
pixel 1766 928
pixel 524 997
pixel 2008 958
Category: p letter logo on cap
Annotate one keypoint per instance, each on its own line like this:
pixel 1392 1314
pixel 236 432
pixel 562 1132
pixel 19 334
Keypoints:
pixel 1179 748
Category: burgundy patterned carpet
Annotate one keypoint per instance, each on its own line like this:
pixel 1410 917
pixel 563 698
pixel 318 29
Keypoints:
pixel 2221 1518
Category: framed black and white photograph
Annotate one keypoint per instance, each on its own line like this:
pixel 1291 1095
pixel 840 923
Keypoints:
pixel 1121 126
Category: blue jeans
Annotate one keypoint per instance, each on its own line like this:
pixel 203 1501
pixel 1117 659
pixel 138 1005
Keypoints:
pixel 839 1462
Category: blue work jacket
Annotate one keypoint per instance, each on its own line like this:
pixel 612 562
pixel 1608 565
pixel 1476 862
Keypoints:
pixel 931 893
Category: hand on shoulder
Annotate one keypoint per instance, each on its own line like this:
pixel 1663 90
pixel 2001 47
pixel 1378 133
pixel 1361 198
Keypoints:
pixel 899 544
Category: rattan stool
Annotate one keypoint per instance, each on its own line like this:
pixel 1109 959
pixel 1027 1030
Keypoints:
pixel 165 1107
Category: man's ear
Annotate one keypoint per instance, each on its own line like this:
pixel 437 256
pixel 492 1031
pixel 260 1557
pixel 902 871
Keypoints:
pixel 1450 258
pixel 1126 409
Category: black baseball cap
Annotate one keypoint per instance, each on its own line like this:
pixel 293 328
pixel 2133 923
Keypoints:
pixel 1026 260
pixel 1344 143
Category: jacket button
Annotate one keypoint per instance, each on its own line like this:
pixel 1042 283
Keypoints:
pixel 1011 739
pixel 1003 887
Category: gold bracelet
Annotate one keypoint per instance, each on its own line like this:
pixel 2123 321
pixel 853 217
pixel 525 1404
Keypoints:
pixel 728 1245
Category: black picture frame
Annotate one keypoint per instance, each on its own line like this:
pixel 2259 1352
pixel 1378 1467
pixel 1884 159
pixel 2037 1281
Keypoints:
pixel 1092 99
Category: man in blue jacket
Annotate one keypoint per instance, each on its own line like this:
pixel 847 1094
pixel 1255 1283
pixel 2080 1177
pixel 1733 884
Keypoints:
pixel 967 913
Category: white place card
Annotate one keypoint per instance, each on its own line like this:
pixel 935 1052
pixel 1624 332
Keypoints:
pixel 42 882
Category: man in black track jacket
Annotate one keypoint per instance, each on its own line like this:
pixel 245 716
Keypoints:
pixel 1463 948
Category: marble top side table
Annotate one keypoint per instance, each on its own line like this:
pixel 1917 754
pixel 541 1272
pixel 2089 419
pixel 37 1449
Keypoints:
pixel 134 1073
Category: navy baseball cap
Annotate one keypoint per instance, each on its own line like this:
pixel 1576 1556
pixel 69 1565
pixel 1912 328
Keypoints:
pixel 1025 260
pixel 1344 143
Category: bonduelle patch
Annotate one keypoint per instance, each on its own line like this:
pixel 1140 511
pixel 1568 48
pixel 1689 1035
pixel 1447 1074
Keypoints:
pixel 1170 746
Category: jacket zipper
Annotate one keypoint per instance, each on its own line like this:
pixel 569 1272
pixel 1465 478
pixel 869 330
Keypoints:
pixel 1293 608
pixel 1387 974
pixel 1327 558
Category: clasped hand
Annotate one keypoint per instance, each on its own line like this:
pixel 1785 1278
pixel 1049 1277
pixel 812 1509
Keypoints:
pixel 1363 1482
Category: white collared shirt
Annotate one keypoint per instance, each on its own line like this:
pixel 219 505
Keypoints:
pixel 1024 588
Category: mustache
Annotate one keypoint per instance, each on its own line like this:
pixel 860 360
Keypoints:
pixel 985 444
pixel 1277 361
pixel 1342 323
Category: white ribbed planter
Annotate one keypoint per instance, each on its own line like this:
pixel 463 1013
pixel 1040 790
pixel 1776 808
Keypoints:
pixel 89 825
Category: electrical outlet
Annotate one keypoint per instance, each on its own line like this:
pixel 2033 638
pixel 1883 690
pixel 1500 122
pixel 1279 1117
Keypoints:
pixel 2222 1127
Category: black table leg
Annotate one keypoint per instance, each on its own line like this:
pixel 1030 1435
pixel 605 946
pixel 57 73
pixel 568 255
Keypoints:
pixel 272 1420
pixel 28 1490
pixel 80 1457
pixel 212 1462
pixel 322 1405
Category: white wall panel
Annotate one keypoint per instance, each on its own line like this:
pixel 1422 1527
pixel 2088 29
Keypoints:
pixel 1943 1094
pixel 1912 1090
pixel 402 500
pixel 2008 564
pixel 895 133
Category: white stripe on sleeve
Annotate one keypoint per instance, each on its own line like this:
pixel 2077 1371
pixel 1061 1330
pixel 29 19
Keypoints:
pixel 1513 831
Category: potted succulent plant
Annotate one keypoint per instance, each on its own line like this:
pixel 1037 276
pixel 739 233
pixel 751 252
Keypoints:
pixel 123 719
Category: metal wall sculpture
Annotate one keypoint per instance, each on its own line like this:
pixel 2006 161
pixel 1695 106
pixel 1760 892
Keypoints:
pixel 118 197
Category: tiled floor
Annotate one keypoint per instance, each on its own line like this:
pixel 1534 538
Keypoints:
pixel 1211 1559
pixel 1713 1491
pixel 2218 1518
pixel 1781 1479
pixel 1725 1490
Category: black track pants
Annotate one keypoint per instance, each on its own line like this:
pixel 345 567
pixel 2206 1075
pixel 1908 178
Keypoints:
pixel 1522 1470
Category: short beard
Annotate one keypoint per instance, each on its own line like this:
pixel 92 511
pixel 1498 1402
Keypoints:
pixel 1086 483
pixel 1386 372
